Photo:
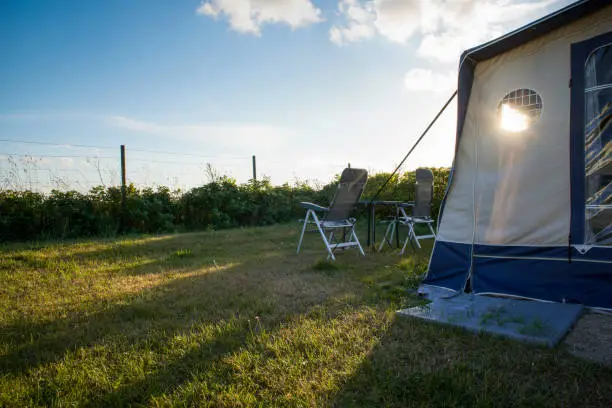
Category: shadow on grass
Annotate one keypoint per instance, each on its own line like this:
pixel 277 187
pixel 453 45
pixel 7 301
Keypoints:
pixel 46 342
pixel 422 364
pixel 218 382
pixel 199 289
pixel 167 377
pixel 275 284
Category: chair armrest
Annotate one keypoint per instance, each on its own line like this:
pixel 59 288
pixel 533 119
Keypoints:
pixel 314 207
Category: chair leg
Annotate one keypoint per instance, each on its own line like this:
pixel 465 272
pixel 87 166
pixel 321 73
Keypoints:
pixel 411 235
pixel 405 244
pixel 382 242
pixel 303 230
pixel 354 236
pixel 331 244
pixel 329 249
pixel 414 235
pixel 432 230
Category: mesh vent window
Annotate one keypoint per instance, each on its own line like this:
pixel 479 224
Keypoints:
pixel 519 109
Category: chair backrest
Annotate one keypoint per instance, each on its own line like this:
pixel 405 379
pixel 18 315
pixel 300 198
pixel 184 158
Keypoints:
pixel 423 193
pixel 350 187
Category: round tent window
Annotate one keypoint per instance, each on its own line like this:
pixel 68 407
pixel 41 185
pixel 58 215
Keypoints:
pixel 519 110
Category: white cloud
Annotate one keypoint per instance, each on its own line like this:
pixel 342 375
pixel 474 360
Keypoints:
pixel 426 80
pixel 467 23
pixel 398 20
pixel 351 33
pixel 248 136
pixel 359 23
pixel 444 28
pixel 247 16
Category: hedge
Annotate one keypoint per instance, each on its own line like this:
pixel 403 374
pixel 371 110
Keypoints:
pixel 28 215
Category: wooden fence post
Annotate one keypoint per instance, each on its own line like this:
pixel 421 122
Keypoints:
pixel 254 169
pixel 123 191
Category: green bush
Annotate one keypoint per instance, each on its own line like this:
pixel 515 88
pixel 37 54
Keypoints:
pixel 27 215
pixel 21 215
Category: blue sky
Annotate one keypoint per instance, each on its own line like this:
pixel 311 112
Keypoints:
pixel 307 86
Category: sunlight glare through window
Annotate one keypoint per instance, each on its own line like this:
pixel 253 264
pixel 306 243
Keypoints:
pixel 519 110
pixel 513 120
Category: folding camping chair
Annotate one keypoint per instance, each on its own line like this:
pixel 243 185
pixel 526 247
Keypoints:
pixel 420 214
pixel 351 186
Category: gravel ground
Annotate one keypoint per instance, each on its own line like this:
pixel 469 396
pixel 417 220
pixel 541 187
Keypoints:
pixel 592 338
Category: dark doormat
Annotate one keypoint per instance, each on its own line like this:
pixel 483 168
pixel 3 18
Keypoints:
pixel 544 323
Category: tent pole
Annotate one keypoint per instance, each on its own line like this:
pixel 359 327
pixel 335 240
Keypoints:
pixel 402 162
pixel 414 146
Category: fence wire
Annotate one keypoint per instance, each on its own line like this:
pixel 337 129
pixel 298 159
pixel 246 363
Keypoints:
pixel 79 167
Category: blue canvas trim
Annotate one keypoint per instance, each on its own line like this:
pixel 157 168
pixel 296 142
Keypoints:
pixel 579 54
pixel 559 253
pixel 595 254
pixel 464 91
pixel 534 272
pixel 577 169
pixel 449 265
pixel 536 29
pixel 587 283
pixel 521 251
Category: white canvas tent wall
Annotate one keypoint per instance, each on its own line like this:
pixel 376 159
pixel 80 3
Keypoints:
pixel 516 218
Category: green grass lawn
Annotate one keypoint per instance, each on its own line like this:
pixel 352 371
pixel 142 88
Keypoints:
pixel 236 318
